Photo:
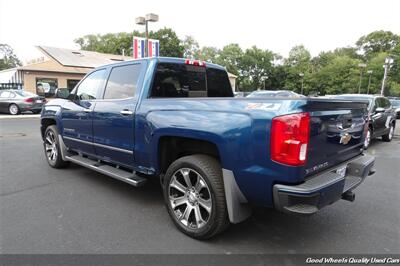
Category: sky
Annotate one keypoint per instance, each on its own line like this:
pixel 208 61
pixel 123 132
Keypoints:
pixel 320 25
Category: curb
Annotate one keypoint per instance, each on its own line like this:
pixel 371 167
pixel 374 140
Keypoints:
pixel 18 116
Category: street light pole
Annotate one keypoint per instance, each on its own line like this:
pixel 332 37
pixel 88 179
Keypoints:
pixel 146 44
pixel 264 79
pixel 369 80
pixel 302 82
pixel 387 65
pixel 361 74
pixel 145 21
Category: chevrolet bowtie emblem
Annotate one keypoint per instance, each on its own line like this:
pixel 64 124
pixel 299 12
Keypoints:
pixel 345 138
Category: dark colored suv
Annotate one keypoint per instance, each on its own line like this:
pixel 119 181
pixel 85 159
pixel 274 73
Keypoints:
pixel 381 116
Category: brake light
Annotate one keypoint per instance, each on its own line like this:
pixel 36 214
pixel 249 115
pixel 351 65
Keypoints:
pixel 29 100
pixel 289 139
pixel 195 62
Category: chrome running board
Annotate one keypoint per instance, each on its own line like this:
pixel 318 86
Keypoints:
pixel 114 172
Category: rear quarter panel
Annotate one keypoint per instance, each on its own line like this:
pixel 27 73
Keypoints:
pixel 241 135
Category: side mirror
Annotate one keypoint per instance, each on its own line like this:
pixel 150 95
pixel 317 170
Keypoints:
pixel 379 110
pixel 62 93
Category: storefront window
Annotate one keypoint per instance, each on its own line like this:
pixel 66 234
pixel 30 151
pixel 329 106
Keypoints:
pixel 46 86
pixel 71 83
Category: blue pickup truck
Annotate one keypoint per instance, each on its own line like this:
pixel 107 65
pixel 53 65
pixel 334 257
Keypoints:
pixel 216 156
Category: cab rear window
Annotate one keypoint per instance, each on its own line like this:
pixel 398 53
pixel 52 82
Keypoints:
pixel 189 81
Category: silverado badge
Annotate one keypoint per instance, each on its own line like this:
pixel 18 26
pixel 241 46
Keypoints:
pixel 345 138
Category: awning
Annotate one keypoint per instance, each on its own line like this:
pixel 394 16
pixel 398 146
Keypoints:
pixel 10 76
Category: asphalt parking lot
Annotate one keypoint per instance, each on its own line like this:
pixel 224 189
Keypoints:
pixel 75 210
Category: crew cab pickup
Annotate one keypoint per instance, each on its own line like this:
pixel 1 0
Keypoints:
pixel 215 156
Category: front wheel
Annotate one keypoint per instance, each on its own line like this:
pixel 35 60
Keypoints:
pixel 388 137
pixel 52 148
pixel 13 109
pixel 194 196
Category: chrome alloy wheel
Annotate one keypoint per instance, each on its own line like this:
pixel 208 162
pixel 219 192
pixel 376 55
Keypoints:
pixel 51 146
pixel 367 139
pixel 190 198
pixel 13 109
pixel 391 132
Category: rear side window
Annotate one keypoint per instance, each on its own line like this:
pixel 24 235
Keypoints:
pixel 180 80
pixel 122 82
pixel 218 83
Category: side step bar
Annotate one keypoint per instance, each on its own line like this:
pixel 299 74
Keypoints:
pixel 122 175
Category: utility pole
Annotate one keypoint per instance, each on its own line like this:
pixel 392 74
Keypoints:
pixel 361 65
pixel 386 66
pixel 369 80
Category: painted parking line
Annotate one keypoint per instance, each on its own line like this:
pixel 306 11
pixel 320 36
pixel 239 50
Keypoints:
pixel 19 116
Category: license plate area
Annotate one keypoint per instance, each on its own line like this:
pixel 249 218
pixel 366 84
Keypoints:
pixel 38 101
pixel 342 170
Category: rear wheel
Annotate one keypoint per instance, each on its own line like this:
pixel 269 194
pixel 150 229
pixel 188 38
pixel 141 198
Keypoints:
pixel 388 137
pixel 52 148
pixel 195 197
pixel 13 109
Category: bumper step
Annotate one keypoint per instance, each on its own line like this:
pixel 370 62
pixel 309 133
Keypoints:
pixel 114 172
pixel 323 188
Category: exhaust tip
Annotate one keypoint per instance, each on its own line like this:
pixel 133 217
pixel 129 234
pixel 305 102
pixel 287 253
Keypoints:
pixel 349 196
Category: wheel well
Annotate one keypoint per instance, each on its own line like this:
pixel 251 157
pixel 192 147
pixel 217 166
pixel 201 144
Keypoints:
pixel 12 104
pixel 172 148
pixel 45 123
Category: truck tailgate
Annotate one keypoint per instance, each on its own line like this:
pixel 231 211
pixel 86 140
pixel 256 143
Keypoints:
pixel 336 132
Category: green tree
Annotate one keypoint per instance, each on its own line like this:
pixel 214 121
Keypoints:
pixel 376 42
pixel 299 68
pixel 255 68
pixel 115 43
pixel 7 57
pixel 191 48
pixel 110 43
pixel 209 54
pixel 229 57
pixel 339 75
pixel 170 45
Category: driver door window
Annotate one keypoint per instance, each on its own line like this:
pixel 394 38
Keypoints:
pixel 91 86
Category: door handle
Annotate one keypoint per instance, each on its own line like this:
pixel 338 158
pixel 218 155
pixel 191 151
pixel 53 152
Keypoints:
pixel 126 112
pixel 87 110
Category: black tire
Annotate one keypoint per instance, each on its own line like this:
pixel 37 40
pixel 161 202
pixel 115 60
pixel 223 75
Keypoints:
pixel 211 172
pixel 389 136
pixel 57 161
pixel 11 109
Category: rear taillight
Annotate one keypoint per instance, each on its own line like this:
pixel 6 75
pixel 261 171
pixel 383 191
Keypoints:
pixel 195 62
pixel 29 100
pixel 289 138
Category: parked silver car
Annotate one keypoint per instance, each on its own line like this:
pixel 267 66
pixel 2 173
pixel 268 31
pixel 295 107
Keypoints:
pixel 16 101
